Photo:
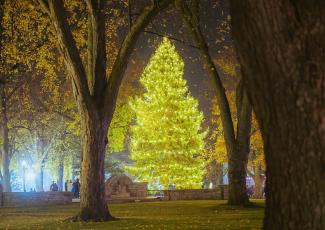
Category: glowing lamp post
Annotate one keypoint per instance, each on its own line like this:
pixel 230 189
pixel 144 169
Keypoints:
pixel 24 164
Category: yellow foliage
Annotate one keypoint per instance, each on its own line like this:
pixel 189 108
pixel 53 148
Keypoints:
pixel 227 61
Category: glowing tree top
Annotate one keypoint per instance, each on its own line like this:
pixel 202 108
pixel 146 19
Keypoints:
pixel 166 135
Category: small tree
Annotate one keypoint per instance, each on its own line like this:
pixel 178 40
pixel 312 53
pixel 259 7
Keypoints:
pixel 166 135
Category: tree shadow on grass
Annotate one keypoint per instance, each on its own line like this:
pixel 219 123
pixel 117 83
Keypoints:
pixel 246 206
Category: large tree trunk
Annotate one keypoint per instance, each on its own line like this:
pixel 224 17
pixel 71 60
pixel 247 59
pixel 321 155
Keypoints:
pixel 237 149
pixel 280 46
pixel 238 157
pixel 237 179
pixel 93 204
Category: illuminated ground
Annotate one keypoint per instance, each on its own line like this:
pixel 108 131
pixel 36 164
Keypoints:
pixel 152 215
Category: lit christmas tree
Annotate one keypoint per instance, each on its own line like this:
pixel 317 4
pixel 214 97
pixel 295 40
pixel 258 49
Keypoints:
pixel 166 135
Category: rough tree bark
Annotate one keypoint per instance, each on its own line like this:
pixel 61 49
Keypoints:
pixel 237 146
pixel 94 93
pixel 281 50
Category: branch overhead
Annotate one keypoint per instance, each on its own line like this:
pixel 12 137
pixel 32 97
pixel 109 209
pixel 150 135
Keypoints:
pixel 69 51
pixel 142 21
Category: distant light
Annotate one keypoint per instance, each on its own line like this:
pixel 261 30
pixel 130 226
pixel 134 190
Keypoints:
pixel 23 163
pixel 30 175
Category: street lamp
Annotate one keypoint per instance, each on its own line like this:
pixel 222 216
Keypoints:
pixel 24 164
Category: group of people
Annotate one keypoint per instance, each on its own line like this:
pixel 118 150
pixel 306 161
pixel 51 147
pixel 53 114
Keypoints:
pixel 75 187
pixel 69 186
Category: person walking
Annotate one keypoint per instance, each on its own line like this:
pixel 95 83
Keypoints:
pixel 76 185
pixel 54 187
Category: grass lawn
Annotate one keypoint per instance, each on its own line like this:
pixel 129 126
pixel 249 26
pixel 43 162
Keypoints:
pixel 206 214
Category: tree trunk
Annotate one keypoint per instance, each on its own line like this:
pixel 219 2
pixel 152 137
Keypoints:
pixel 39 172
pixel 39 179
pixel 6 160
pixel 1 178
pixel 5 145
pixel 258 180
pixel 237 157
pixel 60 180
pixel 93 204
pixel 237 180
pixel 280 45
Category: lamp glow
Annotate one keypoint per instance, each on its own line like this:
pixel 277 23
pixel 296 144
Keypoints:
pixel 30 175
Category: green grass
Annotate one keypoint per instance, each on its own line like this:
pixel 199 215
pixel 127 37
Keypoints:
pixel 207 214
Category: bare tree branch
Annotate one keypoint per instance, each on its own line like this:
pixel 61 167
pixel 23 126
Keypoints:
pixel 45 5
pixel 114 81
pixel 250 174
pixel 22 144
pixel 130 15
pixel 13 91
pixel 46 152
pixel 171 38
pixel 69 51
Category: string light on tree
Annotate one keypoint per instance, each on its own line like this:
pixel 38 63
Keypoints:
pixel 166 135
